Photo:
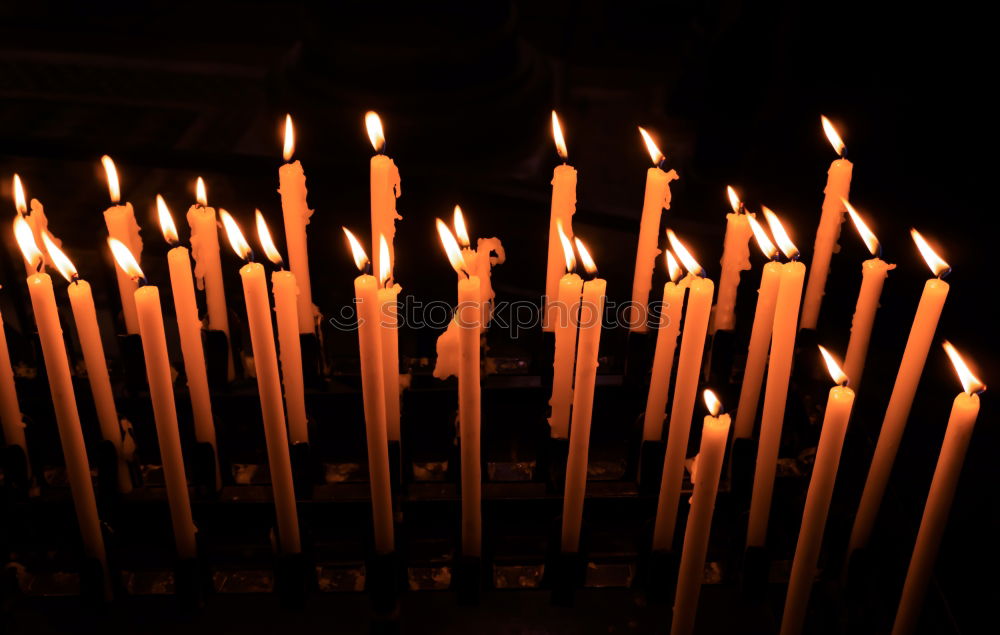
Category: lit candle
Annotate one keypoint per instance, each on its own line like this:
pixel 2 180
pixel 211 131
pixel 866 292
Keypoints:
pixel 760 334
pixel 388 300
pixel 189 329
pixel 479 262
pixel 370 344
pixel 561 215
pixel 43 303
pixel 714 432
pixel 779 372
pixel 735 258
pixel 824 475
pixel 911 366
pixel 663 356
pixel 657 199
pixel 208 264
pixel 696 316
pixel 36 220
pixel 268 386
pixel 564 318
pixel 964 411
pixel 385 189
pixel 10 410
pixel 81 299
pixel 122 226
pixel 591 318
pixel 161 394
pixel 284 286
pixel 838 187
pixel 873 275
pixel 296 212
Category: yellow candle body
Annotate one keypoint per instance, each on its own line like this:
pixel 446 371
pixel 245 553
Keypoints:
pixel 295 211
pixel 208 269
pixel 563 208
pixel 760 342
pixel 838 188
pixel 735 258
pixel 389 330
pixel 43 302
pixel 699 523
pixel 699 309
pixel 932 525
pixel 591 317
pixel 824 475
pixel 385 189
pixel 656 199
pixel 10 409
pixel 85 315
pixel 468 321
pixel 663 360
pixel 189 329
pixel 779 372
pixel 285 289
pixel 370 344
pixel 563 319
pixel 161 394
pixel 122 226
pixel 269 388
pixel 873 275
pixel 898 411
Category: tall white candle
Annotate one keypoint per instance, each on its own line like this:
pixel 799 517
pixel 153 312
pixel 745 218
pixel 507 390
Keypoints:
pixel 296 213
pixel 120 219
pixel 10 410
pixel 385 189
pixel 388 297
pixel 663 356
pixel 564 319
pixel 560 215
pixel 735 258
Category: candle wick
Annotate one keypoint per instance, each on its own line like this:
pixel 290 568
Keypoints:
pixel 944 273
pixel 75 278
pixel 140 281
pixel 39 265
pixel 661 162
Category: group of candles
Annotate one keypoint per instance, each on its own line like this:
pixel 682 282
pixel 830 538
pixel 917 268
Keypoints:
pixel 573 313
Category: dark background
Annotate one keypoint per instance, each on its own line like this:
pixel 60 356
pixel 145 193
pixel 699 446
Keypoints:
pixel 733 91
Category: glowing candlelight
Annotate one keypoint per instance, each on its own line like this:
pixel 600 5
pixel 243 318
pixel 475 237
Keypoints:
pixel 296 214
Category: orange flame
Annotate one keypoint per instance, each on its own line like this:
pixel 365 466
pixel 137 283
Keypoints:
pixel 866 234
pixel 673 267
pixel 59 258
pixel 200 194
pixel 712 402
pixel 970 382
pixel 126 261
pixel 26 241
pixel 167 225
pixel 384 268
pixel 235 235
pixel 734 199
pixel 289 148
pixel 557 134
pixel 461 233
pixel 114 188
pixel 833 136
pixel 360 257
pixel 780 235
pixel 683 254
pixel 934 261
pixel 654 152
pixel 451 247
pixel 567 246
pixel 760 235
pixel 588 262
pixel 374 125
pixel 837 373
pixel 20 203
pixel 264 236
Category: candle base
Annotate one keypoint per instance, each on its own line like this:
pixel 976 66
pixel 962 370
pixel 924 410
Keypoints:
pixel 312 360
pixel 564 573
pixel 14 463
pixel 294 579
pixel 304 470
pixel 658 575
pixel 382 582
pixel 755 574
pixel 217 355
pixel 133 363
pixel 206 471
pixel 467 580
pixel 191 584
pixel 650 472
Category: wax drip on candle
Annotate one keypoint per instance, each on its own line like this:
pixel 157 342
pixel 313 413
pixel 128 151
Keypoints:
pixel 780 235
pixel 940 268
pixel 114 190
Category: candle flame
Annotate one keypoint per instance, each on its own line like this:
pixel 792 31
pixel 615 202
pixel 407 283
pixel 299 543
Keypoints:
pixel 866 234
pixel 760 235
pixel 126 261
pixel 683 254
pixel 264 236
pixel 199 192
pixel 26 241
pixel 780 235
pixel 836 371
pixel 567 246
pixel 712 402
pixel 833 136
pixel 734 199
pixel 451 247
pixel 235 235
pixel 970 383
pixel 654 152
pixel 59 258
pixel 934 261
pixel 384 267
pixel 113 187
pixel 167 225
pixel 557 134
pixel 289 148
pixel 20 203
pixel 673 267
pixel 461 233
pixel 374 125
pixel 360 257
pixel 588 262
